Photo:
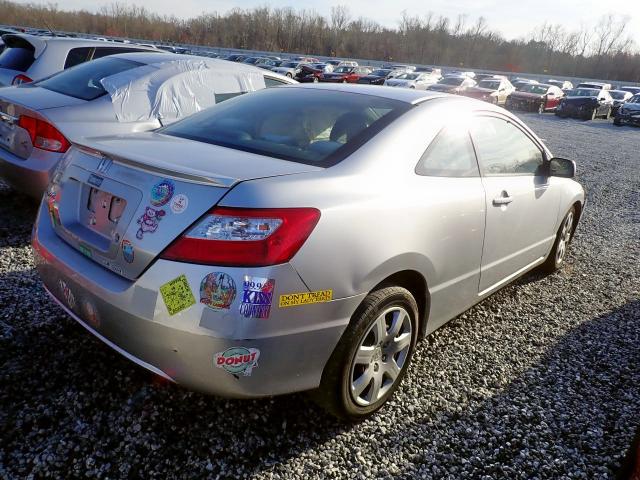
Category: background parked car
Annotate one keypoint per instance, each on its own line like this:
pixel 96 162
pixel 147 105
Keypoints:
pixel 345 74
pixel 597 85
pixel 629 112
pixel 417 80
pixel 376 77
pixel 28 57
pixel 633 90
pixel 535 97
pixel 288 69
pixel 118 94
pixel 586 103
pixel 493 90
pixel 619 97
pixel 453 84
pixel 311 72
pixel 562 84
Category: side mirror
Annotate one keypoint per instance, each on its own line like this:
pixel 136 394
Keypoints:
pixel 561 167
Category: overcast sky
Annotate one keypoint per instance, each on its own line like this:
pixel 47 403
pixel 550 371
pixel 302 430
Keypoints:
pixel 512 19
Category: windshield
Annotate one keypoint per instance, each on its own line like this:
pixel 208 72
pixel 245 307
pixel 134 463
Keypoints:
pixel 618 95
pixel 533 88
pixel 408 76
pixel 634 99
pixel 451 81
pixel 490 84
pixel 583 92
pixel 314 127
pixel 84 81
pixel 343 70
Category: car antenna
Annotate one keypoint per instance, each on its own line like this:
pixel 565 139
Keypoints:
pixel 53 34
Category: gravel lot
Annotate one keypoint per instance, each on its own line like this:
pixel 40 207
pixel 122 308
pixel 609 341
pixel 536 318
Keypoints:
pixel 542 380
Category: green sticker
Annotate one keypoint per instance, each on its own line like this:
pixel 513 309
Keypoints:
pixel 86 251
pixel 177 295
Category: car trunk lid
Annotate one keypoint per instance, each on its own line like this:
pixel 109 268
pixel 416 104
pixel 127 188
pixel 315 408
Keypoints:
pixel 121 201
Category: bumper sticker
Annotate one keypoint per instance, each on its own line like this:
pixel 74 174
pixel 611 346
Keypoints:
pixel 237 360
pixel 179 203
pixel 217 291
pixel 294 299
pixel 148 221
pixel 257 295
pixel 177 295
pixel 162 192
pixel 127 251
pixel 67 294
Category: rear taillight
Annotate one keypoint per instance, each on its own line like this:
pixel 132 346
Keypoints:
pixel 242 237
pixel 20 79
pixel 44 135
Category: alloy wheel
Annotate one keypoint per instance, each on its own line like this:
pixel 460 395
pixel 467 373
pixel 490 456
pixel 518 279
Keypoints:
pixel 381 354
pixel 565 237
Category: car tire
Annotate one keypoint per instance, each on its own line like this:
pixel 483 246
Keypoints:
pixel 617 122
pixel 608 114
pixel 315 80
pixel 289 75
pixel 558 253
pixel 594 114
pixel 541 108
pixel 354 387
pixel 344 81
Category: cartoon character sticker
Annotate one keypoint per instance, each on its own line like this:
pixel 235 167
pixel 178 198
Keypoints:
pixel 162 192
pixel 148 221
pixel 179 203
pixel 217 291
pixel 127 251
pixel 257 295
pixel 237 360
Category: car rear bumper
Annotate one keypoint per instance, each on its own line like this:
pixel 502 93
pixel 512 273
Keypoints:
pixel 290 347
pixel 31 175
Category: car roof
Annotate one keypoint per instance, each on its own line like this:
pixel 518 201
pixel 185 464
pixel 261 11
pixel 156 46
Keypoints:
pixel 406 95
pixel 74 40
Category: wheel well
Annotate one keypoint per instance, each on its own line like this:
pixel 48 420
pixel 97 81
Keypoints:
pixel 578 206
pixel 417 285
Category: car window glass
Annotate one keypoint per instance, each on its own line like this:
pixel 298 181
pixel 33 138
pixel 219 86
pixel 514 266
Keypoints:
pixel 273 82
pixel 17 58
pixel 450 154
pixel 106 51
pixel 504 149
pixel 77 56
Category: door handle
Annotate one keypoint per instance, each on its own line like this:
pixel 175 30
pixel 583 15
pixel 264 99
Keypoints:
pixel 503 199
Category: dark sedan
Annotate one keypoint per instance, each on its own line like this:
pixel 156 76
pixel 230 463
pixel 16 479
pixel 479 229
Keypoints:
pixel 629 112
pixel 586 103
pixel 535 97
pixel 377 77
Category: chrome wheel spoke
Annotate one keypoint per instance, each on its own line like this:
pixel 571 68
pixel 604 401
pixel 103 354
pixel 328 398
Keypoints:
pixel 392 369
pixel 362 382
pixel 396 324
pixel 400 343
pixel 374 391
pixel 364 355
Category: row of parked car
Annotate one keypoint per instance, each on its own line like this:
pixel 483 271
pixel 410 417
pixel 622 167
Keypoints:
pixel 225 243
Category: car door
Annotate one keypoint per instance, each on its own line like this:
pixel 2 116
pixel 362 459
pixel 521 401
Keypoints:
pixel 521 205
pixel 454 202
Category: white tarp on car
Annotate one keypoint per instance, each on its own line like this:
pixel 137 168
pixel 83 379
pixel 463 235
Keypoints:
pixel 177 88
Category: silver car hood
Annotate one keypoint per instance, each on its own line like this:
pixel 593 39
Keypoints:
pixel 204 162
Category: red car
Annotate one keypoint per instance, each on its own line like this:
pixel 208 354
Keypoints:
pixel 535 97
pixel 345 74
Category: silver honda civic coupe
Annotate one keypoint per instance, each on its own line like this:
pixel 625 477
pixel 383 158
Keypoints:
pixel 301 238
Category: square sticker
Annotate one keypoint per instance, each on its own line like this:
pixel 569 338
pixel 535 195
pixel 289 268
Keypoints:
pixel 177 295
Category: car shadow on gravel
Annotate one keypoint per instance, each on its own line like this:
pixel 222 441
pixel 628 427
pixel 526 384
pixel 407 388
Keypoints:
pixel 18 212
pixel 578 397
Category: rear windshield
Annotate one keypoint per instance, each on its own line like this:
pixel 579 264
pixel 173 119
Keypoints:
pixel 18 58
pixel 83 81
pixel 315 127
pixel 451 81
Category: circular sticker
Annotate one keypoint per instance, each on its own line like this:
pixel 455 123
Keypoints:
pixel 127 251
pixel 217 291
pixel 161 193
pixel 91 314
pixel 179 203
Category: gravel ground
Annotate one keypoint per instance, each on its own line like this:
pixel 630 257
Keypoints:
pixel 542 380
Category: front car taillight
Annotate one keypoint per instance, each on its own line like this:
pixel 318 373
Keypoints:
pixel 243 237
pixel 20 79
pixel 44 135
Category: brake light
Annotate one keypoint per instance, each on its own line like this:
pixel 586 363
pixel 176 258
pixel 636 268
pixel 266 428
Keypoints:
pixel 44 135
pixel 245 237
pixel 20 79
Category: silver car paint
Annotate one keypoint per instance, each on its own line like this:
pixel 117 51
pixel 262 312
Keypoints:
pixel 378 218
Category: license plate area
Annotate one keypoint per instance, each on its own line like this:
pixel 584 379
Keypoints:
pixel 103 212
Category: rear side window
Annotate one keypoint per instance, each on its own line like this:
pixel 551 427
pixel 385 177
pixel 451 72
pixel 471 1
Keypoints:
pixel 18 55
pixel 83 81
pixel 450 154
pixel 77 56
pixel 314 127
pixel 273 82
pixel 504 149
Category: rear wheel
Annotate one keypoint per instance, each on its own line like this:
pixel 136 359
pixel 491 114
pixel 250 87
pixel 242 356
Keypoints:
pixel 372 356
pixel 617 122
pixel 289 75
pixel 558 253
pixel 608 114
pixel 541 108
pixel 594 114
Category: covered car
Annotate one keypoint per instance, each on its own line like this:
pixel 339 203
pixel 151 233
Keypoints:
pixel 124 93
pixel 586 104
pixel 535 97
pixel 629 112
pixel 619 98
pixel 493 90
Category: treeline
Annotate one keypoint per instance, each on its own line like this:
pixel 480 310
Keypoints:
pixel 604 50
